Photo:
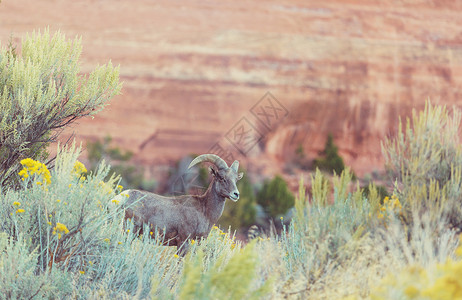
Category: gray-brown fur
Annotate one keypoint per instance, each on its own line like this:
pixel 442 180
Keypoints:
pixel 189 216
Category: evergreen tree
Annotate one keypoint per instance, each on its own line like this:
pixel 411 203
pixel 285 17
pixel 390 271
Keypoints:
pixel 42 90
pixel 275 197
pixel 330 160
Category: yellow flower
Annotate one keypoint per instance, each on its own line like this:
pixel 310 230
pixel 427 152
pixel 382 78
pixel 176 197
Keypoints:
pixel 23 173
pixel 115 201
pixel 396 204
pixel 28 162
pixel 38 183
pixel 119 243
pixel 176 256
pixel 16 203
pixel 20 210
pixel 60 227
pixel 32 167
pixel 193 242
pixel 120 187
pixel 70 184
pixel 49 223
pixel 79 168
pixel 58 200
pixel 106 240
pixel 82 272
pixel 151 233
pixel 128 230
pixel 90 262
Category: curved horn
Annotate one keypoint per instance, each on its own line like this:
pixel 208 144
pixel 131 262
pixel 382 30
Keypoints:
pixel 214 159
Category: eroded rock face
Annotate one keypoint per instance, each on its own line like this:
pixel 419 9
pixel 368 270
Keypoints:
pixel 357 128
pixel 191 72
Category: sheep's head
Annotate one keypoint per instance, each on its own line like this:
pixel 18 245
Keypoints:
pixel 226 177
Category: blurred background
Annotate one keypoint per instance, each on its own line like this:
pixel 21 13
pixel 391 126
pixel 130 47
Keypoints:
pixel 281 86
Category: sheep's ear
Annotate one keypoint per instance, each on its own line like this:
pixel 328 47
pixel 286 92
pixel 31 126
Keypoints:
pixel 240 175
pixel 235 166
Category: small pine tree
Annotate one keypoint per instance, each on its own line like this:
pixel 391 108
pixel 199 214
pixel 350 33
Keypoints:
pixel 330 160
pixel 275 197
pixel 42 90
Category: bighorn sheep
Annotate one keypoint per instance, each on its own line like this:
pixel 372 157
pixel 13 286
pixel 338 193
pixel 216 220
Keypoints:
pixel 189 216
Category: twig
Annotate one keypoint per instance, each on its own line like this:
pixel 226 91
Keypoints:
pixel 35 294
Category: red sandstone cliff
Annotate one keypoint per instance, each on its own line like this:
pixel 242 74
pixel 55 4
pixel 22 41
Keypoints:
pixel 194 70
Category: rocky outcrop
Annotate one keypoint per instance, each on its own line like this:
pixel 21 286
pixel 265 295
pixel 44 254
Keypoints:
pixel 357 128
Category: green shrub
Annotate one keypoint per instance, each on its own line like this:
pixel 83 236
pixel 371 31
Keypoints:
pixel 42 90
pixel 425 159
pixel 427 148
pixel 227 278
pixel 323 236
pixel 330 160
pixel 275 197
pixel 18 277
pixel 56 217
